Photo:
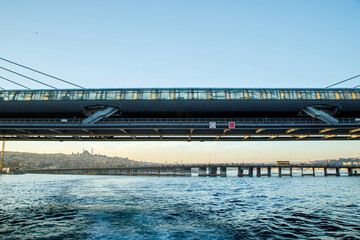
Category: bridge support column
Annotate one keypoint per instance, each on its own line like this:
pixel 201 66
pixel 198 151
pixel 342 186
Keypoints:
pixel 223 171
pixel 258 171
pixel 269 171
pixel 337 171
pixel 291 171
pixel 350 171
pixel 325 171
pixel 279 170
pixel 313 172
pixel 240 172
pixel 251 171
pixel 187 171
pixel 212 171
pixel 202 171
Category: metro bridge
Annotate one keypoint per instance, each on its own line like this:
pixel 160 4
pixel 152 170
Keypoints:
pixel 181 114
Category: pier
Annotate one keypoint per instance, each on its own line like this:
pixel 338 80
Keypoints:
pixel 213 170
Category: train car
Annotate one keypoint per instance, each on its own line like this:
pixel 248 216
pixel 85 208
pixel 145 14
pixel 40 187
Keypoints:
pixel 178 102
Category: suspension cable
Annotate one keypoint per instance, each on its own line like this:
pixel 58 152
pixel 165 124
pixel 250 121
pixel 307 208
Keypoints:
pixel 14 83
pixel 28 78
pixel 343 81
pixel 2 88
pixel 48 75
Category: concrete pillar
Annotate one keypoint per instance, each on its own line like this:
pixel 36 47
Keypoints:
pixel 279 169
pixel 269 171
pixel 258 171
pixel 223 171
pixel 350 171
pixel 187 171
pixel 291 170
pixel 251 171
pixel 325 171
pixel 314 172
pixel 202 171
pixel 240 172
pixel 212 171
pixel 302 171
pixel 337 171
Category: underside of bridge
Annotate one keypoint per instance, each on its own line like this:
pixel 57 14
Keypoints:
pixel 101 128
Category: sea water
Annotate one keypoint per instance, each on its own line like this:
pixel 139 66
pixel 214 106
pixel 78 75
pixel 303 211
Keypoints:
pixel 35 206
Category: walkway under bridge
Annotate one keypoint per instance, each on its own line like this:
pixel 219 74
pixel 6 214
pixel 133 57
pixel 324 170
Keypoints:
pixel 179 129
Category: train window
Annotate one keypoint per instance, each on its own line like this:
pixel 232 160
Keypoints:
pixel 274 95
pixel 312 95
pixel 239 95
pixel 331 95
pixel 263 94
pixel 118 95
pixel 131 95
pixel 64 95
pixel 357 95
pixel 281 94
pixel 347 95
pixel 110 95
pixel 172 94
pixel 322 95
pixel 182 94
pixel 12 96
pixel 353 95
pixel 145 95
pixel 28 96
pixel 153 95
pixel 256 94
pixel 45 96
pixel 164 94
pixel 20 96
pixel 4 96
pixel 219 94
pixel 201 94
pixel 92 95
pixel 191 94
pixel 209 94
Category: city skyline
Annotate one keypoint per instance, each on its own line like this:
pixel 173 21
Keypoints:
pixel 187 44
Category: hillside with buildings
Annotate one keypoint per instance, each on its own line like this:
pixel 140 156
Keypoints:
pixel 23 160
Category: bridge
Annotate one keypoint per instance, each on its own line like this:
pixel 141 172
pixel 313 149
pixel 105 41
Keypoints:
pixel 186 114
pixel 220 169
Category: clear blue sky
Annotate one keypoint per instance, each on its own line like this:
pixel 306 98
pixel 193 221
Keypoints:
pixel 100 44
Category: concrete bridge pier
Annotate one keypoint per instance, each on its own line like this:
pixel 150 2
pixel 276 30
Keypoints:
pixel 202 171
pixel 337 171
pixel 222 171
pixel 187 171
pixel 240 172
pixel 279 170
pixel 350 171
pixel 325 171
pixel 212 171
pixel 251 171
pixel 269 171
pixel 258 171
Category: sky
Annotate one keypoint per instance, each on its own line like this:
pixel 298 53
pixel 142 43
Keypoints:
pixel 121 44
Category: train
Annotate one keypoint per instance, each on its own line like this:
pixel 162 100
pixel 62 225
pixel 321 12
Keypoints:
pixel 179 102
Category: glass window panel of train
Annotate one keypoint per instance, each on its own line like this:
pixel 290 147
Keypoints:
pixel 110 95
pixel 28 96
pixel 256 94
pixel 45 96
pixel 201 94
pixel 153 95
pixel 12 96
pixel 273 94
pixel 163 94
pixel 330 95
pixel 128 95
pixel 347 94
pixel 145 95
pixel 4 96
pixel 118 95
pixel 219 94
pixel 182 94
pixel 263 95
pixel 64 95
pixel 237 94
pixel 20 96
